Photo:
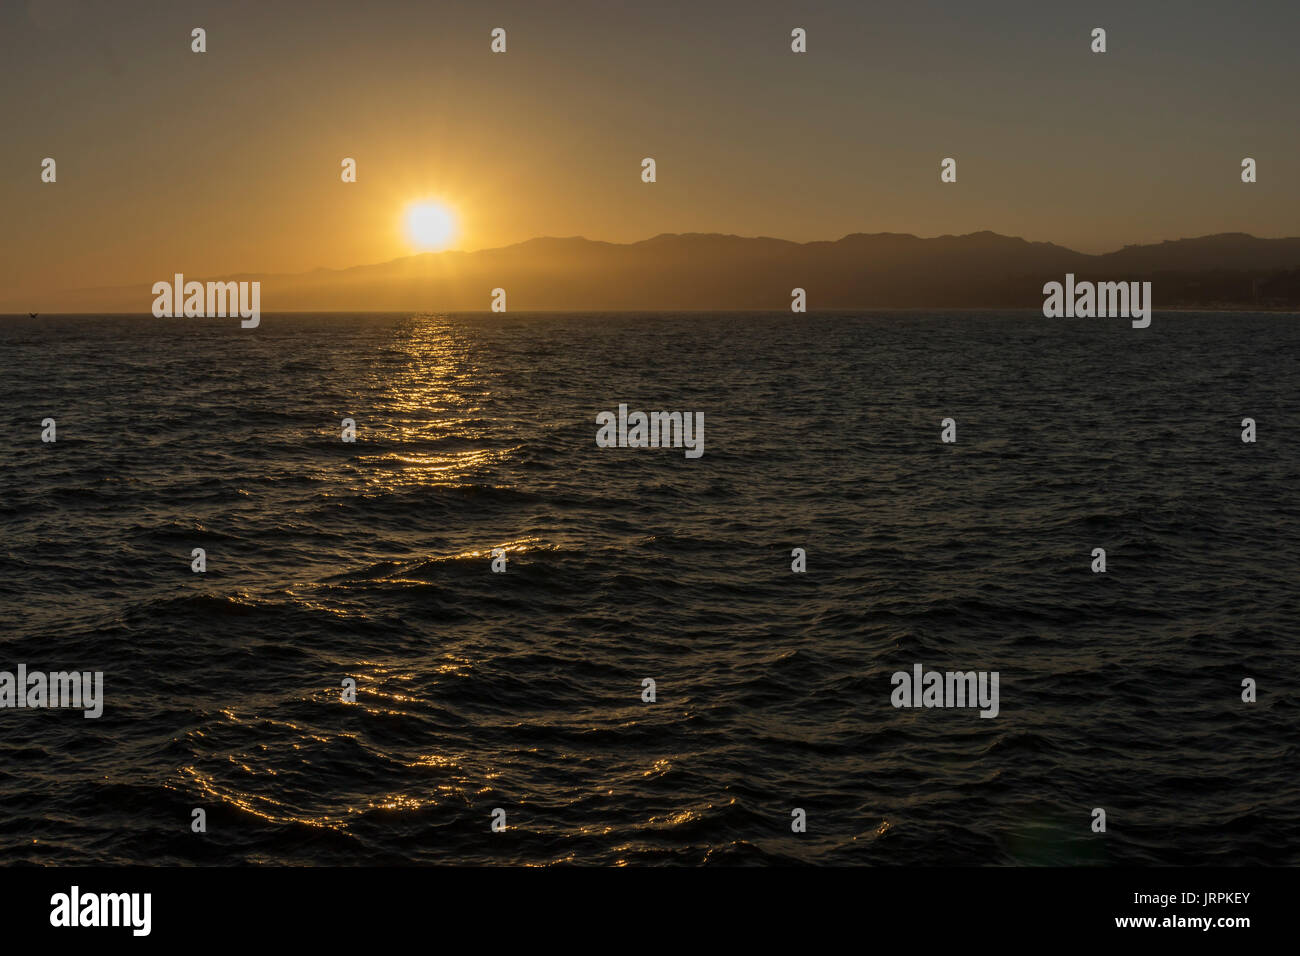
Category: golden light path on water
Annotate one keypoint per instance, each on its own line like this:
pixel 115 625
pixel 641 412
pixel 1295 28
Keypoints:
pixel 432 395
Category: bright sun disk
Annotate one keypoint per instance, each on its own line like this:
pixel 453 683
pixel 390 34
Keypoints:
pixel 430 225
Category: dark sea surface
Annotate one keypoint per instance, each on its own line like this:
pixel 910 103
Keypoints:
pixel 522 690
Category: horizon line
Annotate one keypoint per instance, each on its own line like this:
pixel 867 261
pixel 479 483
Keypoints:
pixel 718 235
pixel 434 312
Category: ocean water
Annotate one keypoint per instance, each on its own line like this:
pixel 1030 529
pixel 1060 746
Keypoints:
pixel 522 690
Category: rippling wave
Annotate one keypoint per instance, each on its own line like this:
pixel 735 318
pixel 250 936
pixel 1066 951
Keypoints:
pixel 329 560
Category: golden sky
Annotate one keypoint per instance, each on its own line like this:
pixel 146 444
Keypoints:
pixel 228 161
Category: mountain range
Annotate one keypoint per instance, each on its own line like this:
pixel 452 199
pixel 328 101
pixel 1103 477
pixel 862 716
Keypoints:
pixel 698 271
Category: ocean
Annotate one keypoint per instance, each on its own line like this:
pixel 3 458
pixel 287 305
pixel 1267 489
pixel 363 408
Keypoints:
pixel 523 691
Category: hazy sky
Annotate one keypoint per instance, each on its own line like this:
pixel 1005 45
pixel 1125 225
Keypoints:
pixel 228 161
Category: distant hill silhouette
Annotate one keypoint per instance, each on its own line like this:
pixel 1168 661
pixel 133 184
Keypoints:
pixel 717 272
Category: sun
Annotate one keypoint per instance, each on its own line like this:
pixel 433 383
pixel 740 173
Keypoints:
pixel 430 224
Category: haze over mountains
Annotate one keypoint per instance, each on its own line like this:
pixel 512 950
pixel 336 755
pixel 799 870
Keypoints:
pixel 722 272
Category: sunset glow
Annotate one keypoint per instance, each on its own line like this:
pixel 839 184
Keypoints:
pixel 430 225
